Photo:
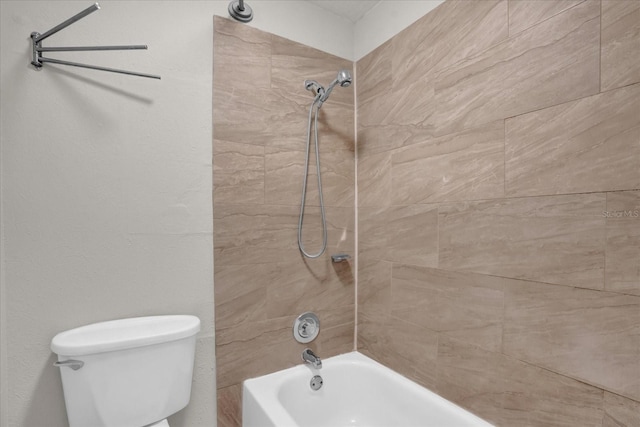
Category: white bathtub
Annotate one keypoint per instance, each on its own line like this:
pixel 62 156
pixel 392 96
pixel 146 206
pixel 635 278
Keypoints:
pixel 357 391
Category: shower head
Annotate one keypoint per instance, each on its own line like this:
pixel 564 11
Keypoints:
pixel 343 79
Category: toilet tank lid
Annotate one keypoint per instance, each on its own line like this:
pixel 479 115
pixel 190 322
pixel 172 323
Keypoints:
pixel 123 334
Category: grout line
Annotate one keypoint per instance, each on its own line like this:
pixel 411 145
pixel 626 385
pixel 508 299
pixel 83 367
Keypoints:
pixel 433 137
pixel 504 158
pixel 508 19
pixel 438 235
pixel 532 281
pixel 604 249
pixel 546 19
pixel 444 202
pixel 582 381
pixel 600 50
pixel 355 200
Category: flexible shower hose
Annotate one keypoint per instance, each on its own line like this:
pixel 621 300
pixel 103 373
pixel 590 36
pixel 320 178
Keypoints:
pixel 304 184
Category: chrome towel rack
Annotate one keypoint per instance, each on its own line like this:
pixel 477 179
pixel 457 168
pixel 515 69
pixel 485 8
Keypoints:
pixel 38 49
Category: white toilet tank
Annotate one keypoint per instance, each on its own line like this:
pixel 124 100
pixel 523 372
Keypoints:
pixel 128 372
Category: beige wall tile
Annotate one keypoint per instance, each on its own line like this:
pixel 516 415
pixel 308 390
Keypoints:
pixel 374 180
pixel 592 144
pixel 236 349
pixel 555 239
pixel 622 253
pixel 471 377
pixel 258 234
pixel 374 288
pixel 395 118
pixel 553 62
pixel 463 166
pixel 407 234
pixel 241 293
pixel 335 127
pixel 451 32
pixel 404 347
pixel 300 285
pixel 593 336
pixel 413 344
pixel 259 116
pixel 465 306
pixel 252 234
pixel 409 105
pixel 374 72
pixel 620 43
pixel 284 174
pixel 371 336
pixel 238 173
pixel 242 55
pixel 230 406
pixel 620 412
pixel 373 139
pixel 335 340
pixel 526 13
pixel 537 397
pixel 508 392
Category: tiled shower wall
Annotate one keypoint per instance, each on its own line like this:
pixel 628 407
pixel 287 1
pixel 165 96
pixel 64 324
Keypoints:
pixel 261 282
pixel 499 235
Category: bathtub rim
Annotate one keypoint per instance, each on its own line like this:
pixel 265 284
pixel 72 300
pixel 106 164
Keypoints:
pixel 280 417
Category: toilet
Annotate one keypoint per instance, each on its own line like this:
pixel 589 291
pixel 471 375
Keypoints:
pixel 129 372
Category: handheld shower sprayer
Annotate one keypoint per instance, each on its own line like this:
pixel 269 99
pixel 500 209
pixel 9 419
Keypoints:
pixel 343 79
pixel 320 96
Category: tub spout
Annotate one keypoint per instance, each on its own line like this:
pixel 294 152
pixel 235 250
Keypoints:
pixel 309 357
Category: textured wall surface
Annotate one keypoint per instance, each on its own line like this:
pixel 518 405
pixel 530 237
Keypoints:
pixel 498 178
pixel 106 198
pixel 261 281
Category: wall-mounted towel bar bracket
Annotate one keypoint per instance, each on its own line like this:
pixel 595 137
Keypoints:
pixel 38 60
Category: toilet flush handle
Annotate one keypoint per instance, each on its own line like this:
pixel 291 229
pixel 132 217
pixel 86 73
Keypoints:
pixel 73 364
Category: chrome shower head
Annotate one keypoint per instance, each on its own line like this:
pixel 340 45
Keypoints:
pixel 343 79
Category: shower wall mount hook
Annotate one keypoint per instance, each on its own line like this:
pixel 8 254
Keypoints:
pixel 38 60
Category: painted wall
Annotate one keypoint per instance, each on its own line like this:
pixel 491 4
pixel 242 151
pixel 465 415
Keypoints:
pixel 106 183
pixel 261 281
pixel 498 178
pixel 106 191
